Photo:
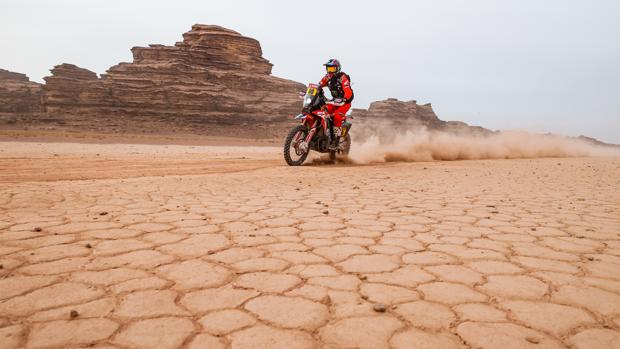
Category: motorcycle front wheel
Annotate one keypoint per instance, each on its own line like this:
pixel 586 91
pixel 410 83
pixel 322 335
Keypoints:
pixel 293 154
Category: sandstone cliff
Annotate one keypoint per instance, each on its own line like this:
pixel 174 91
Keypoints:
pixel 18 94
pixel 215 76
pixel 397 111
pixel 410 115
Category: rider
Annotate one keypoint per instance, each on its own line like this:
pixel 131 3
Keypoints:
pixel 339 84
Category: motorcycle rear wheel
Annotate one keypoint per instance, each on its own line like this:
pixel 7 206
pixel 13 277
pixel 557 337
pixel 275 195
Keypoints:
pixel 288 146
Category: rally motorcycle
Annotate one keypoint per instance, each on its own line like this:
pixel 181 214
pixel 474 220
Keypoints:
pixel 313 133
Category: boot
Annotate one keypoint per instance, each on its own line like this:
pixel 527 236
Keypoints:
pixel 335 139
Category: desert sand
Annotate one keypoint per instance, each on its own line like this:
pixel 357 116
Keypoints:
pixel 162 246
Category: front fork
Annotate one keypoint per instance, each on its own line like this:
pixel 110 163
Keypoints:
pixel 310 135
pixel 305 145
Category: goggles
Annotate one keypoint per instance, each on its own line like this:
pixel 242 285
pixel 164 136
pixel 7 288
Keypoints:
pixel 331 69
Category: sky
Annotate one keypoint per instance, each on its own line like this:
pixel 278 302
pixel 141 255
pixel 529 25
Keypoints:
pixel 541 66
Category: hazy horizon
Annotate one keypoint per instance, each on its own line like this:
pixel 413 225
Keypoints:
pixel 542 67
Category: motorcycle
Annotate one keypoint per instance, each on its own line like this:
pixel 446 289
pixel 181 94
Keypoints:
pixel 313 133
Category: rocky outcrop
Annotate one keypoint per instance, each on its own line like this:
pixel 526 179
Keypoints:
pixel 75 90
pixel 393 110
pixel 408 115
pixel 596 142
pixel 214 76
pixel 18 94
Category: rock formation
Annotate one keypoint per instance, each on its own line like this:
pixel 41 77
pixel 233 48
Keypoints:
pixel 397 111
pixel 596 142
pixel 408 115
pixel 18 94
pixel 215 76
pixel 73 90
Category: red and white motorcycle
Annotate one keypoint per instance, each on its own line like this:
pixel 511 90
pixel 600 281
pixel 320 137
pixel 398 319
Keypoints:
pixel 313 133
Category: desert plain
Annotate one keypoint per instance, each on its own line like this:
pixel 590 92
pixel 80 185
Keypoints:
pixel 192 246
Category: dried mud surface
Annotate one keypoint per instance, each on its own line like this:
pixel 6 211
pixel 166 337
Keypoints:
pixel 145 246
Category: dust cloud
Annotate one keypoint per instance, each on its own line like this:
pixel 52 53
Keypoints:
pixel 383 144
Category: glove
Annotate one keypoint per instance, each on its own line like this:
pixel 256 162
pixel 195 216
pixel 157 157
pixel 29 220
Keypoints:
pixel 337 101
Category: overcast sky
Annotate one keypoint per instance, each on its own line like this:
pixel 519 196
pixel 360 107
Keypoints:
pixel 544 66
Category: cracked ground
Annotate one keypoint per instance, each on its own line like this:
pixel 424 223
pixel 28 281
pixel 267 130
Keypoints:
pixel 158 247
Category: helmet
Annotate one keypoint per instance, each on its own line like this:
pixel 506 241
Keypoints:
pixel 333 66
